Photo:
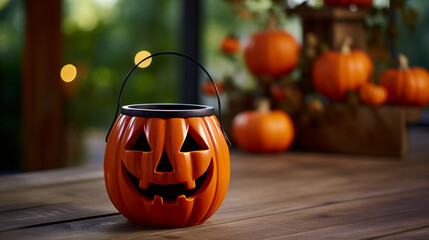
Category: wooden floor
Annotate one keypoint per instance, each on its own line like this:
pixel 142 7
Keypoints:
pixel 291 195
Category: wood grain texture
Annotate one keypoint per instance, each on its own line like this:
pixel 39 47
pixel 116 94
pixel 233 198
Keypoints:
pixel 343 128
pixel 291 195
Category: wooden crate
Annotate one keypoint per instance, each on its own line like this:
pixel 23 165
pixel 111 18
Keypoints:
pixel 343 128
pixel 332 23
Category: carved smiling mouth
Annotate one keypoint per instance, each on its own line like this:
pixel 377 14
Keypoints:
pixel 168 192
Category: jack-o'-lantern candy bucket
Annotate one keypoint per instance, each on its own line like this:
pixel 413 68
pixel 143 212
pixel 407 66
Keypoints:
pixel 167 165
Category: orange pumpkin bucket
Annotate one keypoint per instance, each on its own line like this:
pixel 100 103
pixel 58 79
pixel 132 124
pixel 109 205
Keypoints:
pixel 167 165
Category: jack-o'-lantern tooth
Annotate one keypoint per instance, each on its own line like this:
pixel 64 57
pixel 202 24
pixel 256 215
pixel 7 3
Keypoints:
pixel 143 184
pixel 158 200
pixel 190 184
pixel 181 198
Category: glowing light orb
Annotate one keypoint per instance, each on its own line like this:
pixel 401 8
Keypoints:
pixel 140 56
pixel 68 73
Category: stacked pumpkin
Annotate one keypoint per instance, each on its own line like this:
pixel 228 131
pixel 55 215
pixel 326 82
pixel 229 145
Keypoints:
pixel 230 45
pixel 269 54
pixel 337 73
pixel 273 53
pixel 406 86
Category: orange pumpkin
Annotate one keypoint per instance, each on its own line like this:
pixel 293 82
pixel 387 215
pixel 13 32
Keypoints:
pixel 263 130
pixel 271 53
pixel 170 172
pixel 406 86
pixel 208 88
pixel 348 2
pixel 335 73
pixel 166 165
pixel 230 45
pixel 372 94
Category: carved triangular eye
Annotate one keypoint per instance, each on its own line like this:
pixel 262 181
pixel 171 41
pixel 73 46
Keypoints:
pixel 190 144
pixel 141 144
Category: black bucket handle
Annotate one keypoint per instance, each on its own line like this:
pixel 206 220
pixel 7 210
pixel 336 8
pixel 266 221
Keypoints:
pixel 177 54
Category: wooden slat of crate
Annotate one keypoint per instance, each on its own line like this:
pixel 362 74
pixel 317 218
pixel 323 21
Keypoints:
pixel 365 130
pixel 331 24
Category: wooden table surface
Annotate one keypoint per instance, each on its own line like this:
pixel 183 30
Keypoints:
pixel 291 195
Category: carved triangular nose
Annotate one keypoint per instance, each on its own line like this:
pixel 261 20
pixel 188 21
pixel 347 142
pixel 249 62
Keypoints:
pixel 164 164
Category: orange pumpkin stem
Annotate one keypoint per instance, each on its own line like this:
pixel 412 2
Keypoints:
pixel 346 45
pixel 403 62
pixel 263 105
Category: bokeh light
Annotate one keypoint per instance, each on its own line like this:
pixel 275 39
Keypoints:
pixel 140 56
pixel 68 73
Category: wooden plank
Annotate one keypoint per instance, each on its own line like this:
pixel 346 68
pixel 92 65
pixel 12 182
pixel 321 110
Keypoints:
pixel 13 182
pixel 249 174
pixel 375 228
pixel 109 227
pixel 53 194
pixel 380 215
pixel 55 213
pixel 265 189
pixel 296 180
pixel 418 233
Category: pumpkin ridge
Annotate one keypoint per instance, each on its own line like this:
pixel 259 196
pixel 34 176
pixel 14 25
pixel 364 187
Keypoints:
pixel 402 86
pixel 424 84
pixel 219 193
pixel 342 67
pixel 119 161
pixel 358 75
pixel 412 87
pixel 206 214
pixel 109 181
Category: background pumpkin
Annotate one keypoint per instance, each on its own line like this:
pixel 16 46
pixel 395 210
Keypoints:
pixel 372 94
pixel 334 73
pixel 207 88
pixel 263 130
pixel 406 86
pixel 348 2
pixel 230 45
pixel 271 53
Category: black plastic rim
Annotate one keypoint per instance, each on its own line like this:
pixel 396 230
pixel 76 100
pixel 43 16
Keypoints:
pixel 167 110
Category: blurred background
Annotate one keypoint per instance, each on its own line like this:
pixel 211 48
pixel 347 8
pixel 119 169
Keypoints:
pixel 47 122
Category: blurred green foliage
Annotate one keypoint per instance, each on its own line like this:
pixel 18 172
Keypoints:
pixel 11 41
pixel 101 38
pixel 103 47
pixel 414 42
